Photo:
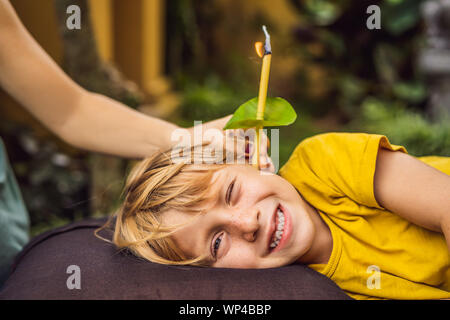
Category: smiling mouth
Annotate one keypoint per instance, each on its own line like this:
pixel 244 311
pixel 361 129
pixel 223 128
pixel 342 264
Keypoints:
pixel 279 229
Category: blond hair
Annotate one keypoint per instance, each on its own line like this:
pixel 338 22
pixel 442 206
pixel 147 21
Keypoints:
pixel 155 185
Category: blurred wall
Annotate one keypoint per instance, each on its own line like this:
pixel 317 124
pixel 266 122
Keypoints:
pixel 129 34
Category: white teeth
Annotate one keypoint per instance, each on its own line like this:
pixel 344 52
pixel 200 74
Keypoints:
pixel 279 229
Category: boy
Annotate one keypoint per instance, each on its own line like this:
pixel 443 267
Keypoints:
pixel 345 204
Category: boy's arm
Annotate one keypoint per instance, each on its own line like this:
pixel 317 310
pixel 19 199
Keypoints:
pixel 413 190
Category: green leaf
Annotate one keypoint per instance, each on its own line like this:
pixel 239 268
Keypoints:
pixel 400 16
pixel 411 92
pixel 324 12
pixel 278 112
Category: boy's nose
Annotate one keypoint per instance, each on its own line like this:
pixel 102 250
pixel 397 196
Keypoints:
pixel 246 224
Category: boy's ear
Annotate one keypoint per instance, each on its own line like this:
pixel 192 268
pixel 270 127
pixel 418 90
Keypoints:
pixel 266 164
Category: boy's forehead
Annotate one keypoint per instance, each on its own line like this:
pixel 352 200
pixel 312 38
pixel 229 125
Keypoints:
pixel 217 184
pixel 223 175
pixel 220 175
pixel 218 180
pixel 217 176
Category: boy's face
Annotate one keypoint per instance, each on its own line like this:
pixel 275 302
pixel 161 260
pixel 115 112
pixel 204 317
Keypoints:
pixel 239 230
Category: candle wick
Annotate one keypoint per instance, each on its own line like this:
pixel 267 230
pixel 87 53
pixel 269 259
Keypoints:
pixel 267 46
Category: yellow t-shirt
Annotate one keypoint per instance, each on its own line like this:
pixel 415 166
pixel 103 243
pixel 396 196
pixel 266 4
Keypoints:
pixel 376 253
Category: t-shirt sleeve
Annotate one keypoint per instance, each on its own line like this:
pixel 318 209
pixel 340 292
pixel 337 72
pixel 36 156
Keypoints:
pixel 334 165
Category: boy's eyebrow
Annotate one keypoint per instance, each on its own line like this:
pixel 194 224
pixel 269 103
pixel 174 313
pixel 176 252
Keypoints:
pixel 207 235
pixel 219 194
pixel 205 242
pixel 209 260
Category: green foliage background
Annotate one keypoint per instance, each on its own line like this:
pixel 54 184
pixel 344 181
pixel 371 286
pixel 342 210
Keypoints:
pixel 370 83
pixel 338 75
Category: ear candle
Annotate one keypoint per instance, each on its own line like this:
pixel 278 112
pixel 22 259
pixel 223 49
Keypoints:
pixel 263 85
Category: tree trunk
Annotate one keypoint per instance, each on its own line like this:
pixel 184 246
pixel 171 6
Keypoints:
pixel 83 64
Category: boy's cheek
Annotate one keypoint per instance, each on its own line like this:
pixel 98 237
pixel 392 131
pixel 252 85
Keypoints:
pixel 243 258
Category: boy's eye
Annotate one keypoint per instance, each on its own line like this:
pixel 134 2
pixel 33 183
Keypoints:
pixel 229 191
pixel 216 245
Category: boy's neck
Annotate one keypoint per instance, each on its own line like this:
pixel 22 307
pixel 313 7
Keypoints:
pixel 322 246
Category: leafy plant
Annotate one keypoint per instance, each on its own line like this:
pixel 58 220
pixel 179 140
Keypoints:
pixel 278 112
pixel 420 136
pixel 399 16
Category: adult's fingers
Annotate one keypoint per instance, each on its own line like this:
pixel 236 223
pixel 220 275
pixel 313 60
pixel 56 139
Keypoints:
pixel 218 123
pixel 244 141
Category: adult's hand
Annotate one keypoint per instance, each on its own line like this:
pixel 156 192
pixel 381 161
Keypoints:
pixel 243 137
pixel 236 141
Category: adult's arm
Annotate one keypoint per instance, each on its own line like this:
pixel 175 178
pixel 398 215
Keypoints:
pixel 83 119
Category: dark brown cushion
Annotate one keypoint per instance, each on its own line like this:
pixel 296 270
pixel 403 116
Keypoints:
pixel 40 272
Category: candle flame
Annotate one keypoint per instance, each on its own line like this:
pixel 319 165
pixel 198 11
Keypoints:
pixel 259 47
